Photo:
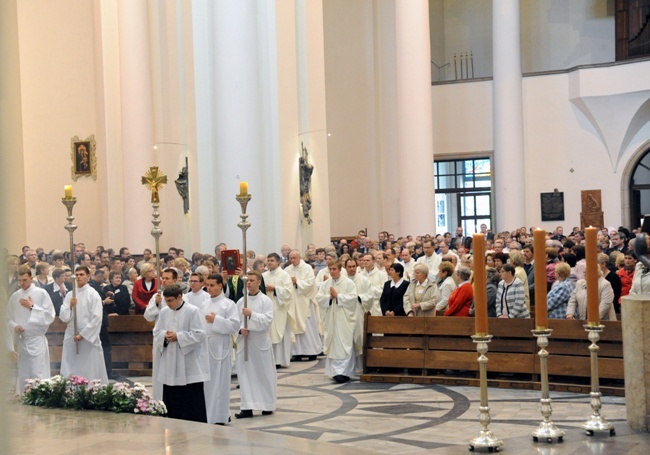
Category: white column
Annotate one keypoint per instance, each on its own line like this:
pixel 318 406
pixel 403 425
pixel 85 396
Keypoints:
pixel 509 188
pixel 137 121
pixel 414 118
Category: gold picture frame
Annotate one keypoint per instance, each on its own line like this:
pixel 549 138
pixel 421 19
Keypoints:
pixel 84 161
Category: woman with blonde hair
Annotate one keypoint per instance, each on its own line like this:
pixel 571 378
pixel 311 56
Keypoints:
pixel 446 284
pixel 144 288
pixel 518 260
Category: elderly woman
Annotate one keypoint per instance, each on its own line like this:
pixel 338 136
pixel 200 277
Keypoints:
pixel 422 295
pixel 144 288
pixel 560 293
pixel 461 299
pixel 517 260
pixel 510 295
pixel 577 307
pixel 446 284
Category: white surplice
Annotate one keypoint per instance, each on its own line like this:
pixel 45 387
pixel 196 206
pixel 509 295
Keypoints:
pixel 184 361
pixel 257 375
pixel 304 311
pixel 340 316
pixel 89 362
pixel 219 336
pixel 377 279
pixel 196 298
pixel 31 345
pixel 151 315
pixel 280 331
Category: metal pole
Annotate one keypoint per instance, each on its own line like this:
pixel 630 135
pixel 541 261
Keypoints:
pixel 70 227
pixel 244 224
pixel 547 429
pixel 596 422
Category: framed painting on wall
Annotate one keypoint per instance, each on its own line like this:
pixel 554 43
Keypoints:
pixel 84 161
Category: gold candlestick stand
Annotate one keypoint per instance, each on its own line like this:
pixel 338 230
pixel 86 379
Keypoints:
pixel 244 224
pixel 547 429
pixel 596 422
pixel 70 227
pixel 485 438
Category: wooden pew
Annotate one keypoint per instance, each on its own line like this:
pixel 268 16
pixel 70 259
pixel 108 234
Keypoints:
pixel 131 338
pixel 439 350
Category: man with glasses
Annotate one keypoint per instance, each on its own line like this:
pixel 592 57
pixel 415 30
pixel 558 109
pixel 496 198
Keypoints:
pixel 196 295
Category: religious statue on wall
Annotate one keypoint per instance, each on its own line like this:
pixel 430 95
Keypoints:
pixel 183 187
pixel 592 213
pixel 306 171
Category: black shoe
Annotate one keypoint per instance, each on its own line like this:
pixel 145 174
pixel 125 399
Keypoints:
pixel 267 413
pixel 278 366
pixel 222 424
pixel 296 358
pixel 244 414
pixel 311 358
pixel 340 379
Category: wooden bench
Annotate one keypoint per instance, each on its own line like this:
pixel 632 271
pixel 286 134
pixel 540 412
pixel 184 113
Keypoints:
pixel 131 338
pixel 439 350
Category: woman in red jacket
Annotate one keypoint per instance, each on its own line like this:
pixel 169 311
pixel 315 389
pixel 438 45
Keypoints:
pixel 461 299
pixel 144 288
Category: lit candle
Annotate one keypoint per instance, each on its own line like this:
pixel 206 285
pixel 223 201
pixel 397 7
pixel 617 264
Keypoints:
pixel 591 275
pixel 68 191
pixel 243 188
pixel 480 285
pixel 541 305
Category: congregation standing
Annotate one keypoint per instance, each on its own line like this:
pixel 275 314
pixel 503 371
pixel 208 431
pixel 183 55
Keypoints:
pixel 300 305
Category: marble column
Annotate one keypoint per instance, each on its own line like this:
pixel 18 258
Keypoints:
pixel 137 120
pixel 509 170
pixel 635 317
pixel 414 118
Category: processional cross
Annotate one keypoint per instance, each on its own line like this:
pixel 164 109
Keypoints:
pixel 154 180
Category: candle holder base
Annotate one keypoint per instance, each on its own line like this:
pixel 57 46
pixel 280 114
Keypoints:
pixel 486 440
pixel 548 431
pixel 598 424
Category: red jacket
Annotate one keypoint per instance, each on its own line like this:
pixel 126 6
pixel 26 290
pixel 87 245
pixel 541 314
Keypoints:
pixel 626 281
pixel 141 296
pixel 460 300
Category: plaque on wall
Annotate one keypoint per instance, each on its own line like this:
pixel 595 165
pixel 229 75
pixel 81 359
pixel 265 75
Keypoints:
pixel 592 213
pixel 552 206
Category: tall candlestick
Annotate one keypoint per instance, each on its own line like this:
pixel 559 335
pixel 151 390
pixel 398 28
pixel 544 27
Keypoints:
pixel 480 285
pixel 243 190
pixel 541 305
pixel 591 275
pixel 68 191
pixel 244 198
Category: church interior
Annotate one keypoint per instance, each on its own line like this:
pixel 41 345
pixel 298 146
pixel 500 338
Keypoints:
pixel 416 116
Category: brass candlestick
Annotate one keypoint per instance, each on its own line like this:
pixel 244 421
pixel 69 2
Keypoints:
pixel 485 438
pixel 596 422
pixel 154 180
pixel 69 203
pixel 547 429
pixel 244 224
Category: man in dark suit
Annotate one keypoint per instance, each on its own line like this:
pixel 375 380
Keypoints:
pixel 58 289
pixel 489 235
pixel 235 290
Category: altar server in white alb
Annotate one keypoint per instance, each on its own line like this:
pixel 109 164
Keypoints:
pixel 179 341
pixel 89 361
pixel 258 381
pixel 29 314
pixel 339 303
pixel 278 289
pixel 196 295
pixel 307 336
pixel 222 322
pixel 154 307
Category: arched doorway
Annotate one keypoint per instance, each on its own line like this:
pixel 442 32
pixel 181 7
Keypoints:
pixel 639 189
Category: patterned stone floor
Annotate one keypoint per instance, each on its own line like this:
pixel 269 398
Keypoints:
pixel 317 416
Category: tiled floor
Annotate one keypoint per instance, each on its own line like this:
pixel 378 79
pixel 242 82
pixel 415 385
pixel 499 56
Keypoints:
pixel 317 416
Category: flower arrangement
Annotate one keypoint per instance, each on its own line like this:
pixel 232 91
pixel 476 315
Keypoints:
pixel 76 392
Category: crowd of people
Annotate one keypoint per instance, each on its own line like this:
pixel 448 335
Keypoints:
pixel 299 304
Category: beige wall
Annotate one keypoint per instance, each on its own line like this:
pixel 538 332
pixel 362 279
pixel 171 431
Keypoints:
pixel 57 70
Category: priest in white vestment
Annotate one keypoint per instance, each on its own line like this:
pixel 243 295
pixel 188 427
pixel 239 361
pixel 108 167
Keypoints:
pixel 377 280
pixel 366 294
pixel 196 295
pixel 304 312
pixel 29 314
pixel 258 380
pixel 154 307
pixel 430 259
pixel 339 303
pixel 179 341
pixel 279 290
pixel 88 362
pixel 324 274
pixel 222 322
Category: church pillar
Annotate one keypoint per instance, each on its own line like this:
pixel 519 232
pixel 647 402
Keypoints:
pixel 509 189
pixel 414 118
pixel 137 120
